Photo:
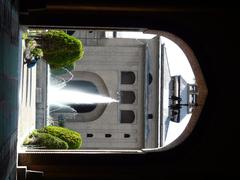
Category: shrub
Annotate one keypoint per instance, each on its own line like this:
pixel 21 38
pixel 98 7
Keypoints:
pixel 72 138
pixel 44 140
pixel 60 49
pixel 24 35
pixel 31 44
pixel 37 53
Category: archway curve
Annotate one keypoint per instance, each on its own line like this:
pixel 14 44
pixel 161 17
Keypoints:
pixel 102 90
pixel 200 81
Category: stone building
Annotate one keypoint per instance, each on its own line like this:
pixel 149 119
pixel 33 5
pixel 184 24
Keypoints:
pixel 128 71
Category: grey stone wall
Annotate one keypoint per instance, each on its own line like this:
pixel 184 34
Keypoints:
pixel 41 94
pixel 9 78
pixel 108 59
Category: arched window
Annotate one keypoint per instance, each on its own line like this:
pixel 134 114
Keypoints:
pixel 150 78
pixel 127 116
pixel 85 87
pixel 83 98
pixel 127 97
pixel 127 77
pixel 157 102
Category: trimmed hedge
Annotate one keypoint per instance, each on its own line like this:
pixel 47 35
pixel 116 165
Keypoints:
pixel 72 138
pixel 54 137
pixel 60 49
pixel 44 140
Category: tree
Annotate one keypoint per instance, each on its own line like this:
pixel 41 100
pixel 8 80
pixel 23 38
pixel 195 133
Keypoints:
pixel 59 48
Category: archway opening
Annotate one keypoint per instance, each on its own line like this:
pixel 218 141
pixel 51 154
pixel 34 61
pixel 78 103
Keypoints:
pixel 147 91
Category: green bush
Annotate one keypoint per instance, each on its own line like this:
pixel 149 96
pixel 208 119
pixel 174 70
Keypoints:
pixel 60 49
pixel 72 138
pixel 31 43
pixel 24 35
pixel 37 53
pixel 44 140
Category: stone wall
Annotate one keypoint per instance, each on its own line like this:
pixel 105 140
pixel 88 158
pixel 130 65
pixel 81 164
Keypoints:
pixel 108 59
pixel 27 102
pixel 41 92
pixel 9 78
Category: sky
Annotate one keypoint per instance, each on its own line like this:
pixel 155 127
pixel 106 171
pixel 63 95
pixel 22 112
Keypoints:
pixel 178 65
pixel 178 62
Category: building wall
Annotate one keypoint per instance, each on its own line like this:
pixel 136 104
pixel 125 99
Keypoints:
pixel 107 60
pixel 41 92
pixel 152 93
pixel 27 100
pixel 9 71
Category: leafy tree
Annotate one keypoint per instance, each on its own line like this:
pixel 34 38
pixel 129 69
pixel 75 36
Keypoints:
pixel 60 49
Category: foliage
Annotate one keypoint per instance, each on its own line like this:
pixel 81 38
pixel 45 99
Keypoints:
pixel 37 53
pixel 60 49
pixel 24 35
pixel 54 137
pixel 32 51
pixel 72 138
pixel 44 140
pixel 31 43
